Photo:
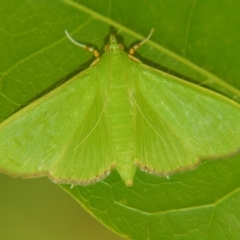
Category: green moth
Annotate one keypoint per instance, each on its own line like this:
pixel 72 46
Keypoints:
pixel 118 113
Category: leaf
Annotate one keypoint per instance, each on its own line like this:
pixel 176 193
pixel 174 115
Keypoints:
pixel 31 63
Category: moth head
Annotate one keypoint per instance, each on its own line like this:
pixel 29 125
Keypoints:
pixel 113 45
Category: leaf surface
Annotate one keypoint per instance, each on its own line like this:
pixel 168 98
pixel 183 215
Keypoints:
pixel 197 41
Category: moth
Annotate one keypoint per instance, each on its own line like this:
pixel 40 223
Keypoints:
pixel 118 113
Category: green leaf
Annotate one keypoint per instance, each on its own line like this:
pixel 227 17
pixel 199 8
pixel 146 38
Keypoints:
pixel 194 41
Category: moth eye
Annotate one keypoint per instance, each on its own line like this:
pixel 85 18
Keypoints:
pixel 120 47
pixel 107 48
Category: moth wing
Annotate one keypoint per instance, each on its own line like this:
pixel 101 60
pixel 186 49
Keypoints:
pixel 177 123
pixel 60 135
